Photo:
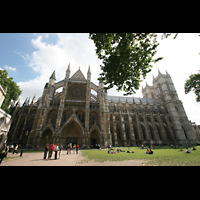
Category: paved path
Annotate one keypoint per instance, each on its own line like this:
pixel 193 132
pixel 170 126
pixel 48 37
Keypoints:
pixel 36 159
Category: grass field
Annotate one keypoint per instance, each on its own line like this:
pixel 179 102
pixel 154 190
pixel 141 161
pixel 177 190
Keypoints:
pixel 165 156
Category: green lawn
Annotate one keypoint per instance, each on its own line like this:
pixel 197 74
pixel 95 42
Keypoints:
pixel 165 156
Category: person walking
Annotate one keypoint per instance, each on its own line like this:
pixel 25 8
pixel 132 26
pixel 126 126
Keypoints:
pixel 56 149
pixel 74 148
pixel 15 149
pixel 60 150
pixel 77 148
pixel 4 152
pixel 68 148
pixel 46 149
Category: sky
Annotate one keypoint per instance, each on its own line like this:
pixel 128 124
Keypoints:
pixel 31 58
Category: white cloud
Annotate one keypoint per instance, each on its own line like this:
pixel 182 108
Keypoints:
pixel 10 68
pixel 76 49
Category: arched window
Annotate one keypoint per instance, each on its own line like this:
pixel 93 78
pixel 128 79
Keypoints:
pixel 118 131
pixel 156 120
pixel 125 118
pixel 127 132
pixel 151 132
pixel 53 119
pixel 143 132
pixel 64 117
pixel 148 119
pixel 136 132
pixel 52 115
pixel 93 119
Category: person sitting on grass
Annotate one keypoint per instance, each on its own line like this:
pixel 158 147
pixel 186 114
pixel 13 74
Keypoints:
pixel 130 151
pixel 111 152
pixel 187 151
pixel 149 151
pixel 119 150
pixel 193 149
pixel 181 149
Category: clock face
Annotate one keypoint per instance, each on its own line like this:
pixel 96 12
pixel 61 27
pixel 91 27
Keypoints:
pixel 76 92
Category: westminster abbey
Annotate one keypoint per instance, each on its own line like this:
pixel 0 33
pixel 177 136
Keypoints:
pixel 82 112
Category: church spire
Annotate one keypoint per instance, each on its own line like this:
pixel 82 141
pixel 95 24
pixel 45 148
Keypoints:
pixel 33 100
pixel 18 103
pixel 88 73
pixel 52 78
pixel 89 70
pixel 68 72
pixel 25 102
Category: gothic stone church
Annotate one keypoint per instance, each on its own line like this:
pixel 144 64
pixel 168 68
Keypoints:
pixel 83 113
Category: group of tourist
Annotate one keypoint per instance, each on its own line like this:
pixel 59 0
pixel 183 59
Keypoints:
pixel 58 150
pixel 118 150
pixel 149 150
pixel 188 151
pixel 4 151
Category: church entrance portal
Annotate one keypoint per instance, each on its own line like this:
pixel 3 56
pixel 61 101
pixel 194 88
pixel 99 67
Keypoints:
pixel 94 139
pixel 72 133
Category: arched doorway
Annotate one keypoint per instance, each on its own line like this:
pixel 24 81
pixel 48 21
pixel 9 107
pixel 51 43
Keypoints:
pixel 71 133
pixel 46 137
pixel 94 139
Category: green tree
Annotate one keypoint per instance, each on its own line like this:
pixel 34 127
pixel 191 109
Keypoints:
pixel 193 84
pixel 126 58
pixel 13 90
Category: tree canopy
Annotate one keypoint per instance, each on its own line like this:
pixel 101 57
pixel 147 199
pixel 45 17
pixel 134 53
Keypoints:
pixel 13 90
pixel 126 57
pixel 193 84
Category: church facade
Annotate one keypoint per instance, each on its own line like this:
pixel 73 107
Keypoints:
pixel 83 113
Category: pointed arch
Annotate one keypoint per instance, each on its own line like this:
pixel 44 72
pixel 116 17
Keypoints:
pixel 46 137
pixel 94 127
pixel 72 118
pixel 71 132
pixel 48 126
pixel 94 139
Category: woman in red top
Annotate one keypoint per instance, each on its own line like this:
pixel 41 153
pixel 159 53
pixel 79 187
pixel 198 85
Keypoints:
pixel 77 147
pixel 52 146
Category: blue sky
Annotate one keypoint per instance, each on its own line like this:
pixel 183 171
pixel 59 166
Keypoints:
pixel 13 46
pixel 30 58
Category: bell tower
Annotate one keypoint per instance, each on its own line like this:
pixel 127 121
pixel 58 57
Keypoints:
pixel 167 95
